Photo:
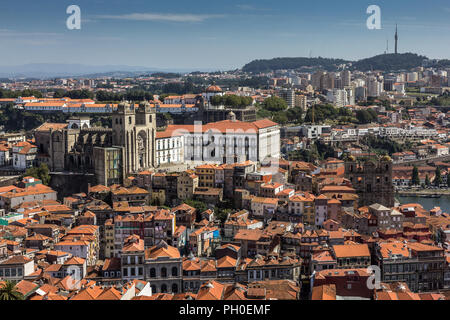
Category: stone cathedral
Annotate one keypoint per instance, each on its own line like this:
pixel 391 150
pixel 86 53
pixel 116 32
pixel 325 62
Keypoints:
pixel 372 180
pixel 134 129
pixel 110 154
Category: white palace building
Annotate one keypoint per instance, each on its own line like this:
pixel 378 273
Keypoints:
pixel 227 141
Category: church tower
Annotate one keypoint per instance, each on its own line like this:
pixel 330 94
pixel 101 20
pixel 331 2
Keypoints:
pixel 134 129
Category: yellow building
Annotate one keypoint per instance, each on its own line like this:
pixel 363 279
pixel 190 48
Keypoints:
pixel 109 238
pixel 303 205
pixel 309 211
pixel 206 175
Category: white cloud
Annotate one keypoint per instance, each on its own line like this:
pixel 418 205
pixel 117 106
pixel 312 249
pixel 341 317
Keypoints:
pixel 13 33
pixel 171 17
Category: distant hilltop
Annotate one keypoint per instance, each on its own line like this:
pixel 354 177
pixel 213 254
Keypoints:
pixel 52 70
pixel 383 62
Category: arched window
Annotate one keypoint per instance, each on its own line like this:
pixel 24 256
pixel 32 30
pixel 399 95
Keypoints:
pixel 174 288
pixel 150 118
pixel 174 271
pixel 163 272
pixel 153 289
pixel 117 121
pixel 163 288
pixel 129 120
pixel 152 273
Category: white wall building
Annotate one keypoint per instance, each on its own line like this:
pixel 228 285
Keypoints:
pixel 374 87
pixel 24 155
pixel 228 141
pixel 169 148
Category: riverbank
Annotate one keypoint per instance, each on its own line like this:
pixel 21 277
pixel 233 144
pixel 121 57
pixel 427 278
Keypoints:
pixel 427 203
pixel 423 192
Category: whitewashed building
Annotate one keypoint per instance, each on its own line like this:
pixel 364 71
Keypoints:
pixel 169 148
pixel 24 155
pixel 228 141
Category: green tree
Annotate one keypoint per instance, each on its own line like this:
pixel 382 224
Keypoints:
pixel 79 94
pixel 324 112
pixel 280 117
pixel 222 213
pixel 216 100
pixel 363 116
pixel 373 113
pixel 382 145
pixel 167 116
pixel 263 113
pixel 437 177
pixel 42 173
pixel 275 104
pixel 200 206
pixel 8 291
pixel 294 114
pixel 427 181
pixel 415 180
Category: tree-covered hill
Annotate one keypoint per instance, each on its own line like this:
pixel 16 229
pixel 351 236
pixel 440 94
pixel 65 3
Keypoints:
pixel 390 62
pixel 292 63
pixel 383 62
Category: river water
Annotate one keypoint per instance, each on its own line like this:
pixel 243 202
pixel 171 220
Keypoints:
pixel 428 203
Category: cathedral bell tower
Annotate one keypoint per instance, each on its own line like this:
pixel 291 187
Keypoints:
pixel 134 129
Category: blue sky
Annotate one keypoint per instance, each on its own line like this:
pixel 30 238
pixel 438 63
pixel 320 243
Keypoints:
pixel 213 34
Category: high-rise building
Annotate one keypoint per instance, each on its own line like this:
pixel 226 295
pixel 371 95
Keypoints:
pixel 328 81
pixel 338 83
pixel 316 79
pixel 412 77
pixel 338 97
pixel 361 93
pixel 388 84
pixel 301 101
pixel 374 87
pixel 346 77
pixel 350 90
pixel 288 95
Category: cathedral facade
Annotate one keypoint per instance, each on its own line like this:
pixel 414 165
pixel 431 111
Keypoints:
pixel 134 130
pixel 109 153
pixel 372 180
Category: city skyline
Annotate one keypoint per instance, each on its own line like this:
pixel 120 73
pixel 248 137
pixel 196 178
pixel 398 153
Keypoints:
pixel 200 36
pixel 124 175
